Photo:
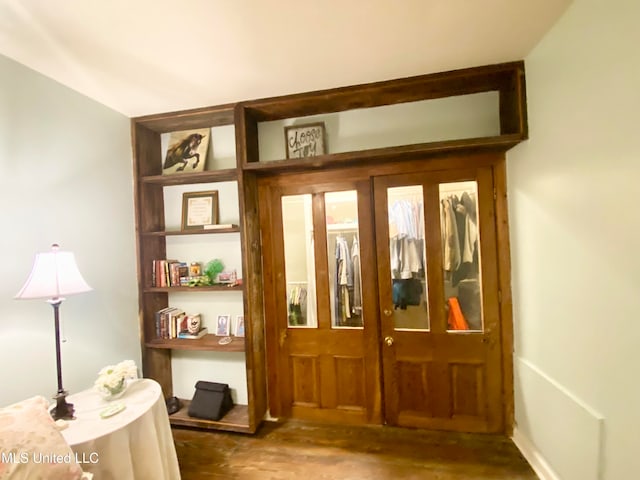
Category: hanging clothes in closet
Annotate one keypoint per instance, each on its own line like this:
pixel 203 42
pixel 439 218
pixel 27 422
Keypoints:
pixel 406 249
pixel 298 305
pixel 461 260
pixel 347 286
pixel 343 280
pixel 356 304
pixel 460 236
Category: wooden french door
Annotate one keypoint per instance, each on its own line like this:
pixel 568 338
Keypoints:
pixel 322 316
pixel 439 311
pixel 410 339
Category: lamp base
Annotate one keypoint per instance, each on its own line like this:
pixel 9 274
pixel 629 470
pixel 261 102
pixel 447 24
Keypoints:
pixel 62 410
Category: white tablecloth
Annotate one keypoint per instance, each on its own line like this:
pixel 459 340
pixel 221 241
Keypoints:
pixel 135 444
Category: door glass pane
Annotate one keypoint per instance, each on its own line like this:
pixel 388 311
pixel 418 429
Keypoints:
pixel 461 256
pixel 299 260
pixel 407 251
pixel 343 256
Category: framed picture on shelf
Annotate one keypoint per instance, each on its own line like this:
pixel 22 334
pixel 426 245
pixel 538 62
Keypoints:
pixel 199 209
pixel 187 152
pixel 223 325
pixel 239 331
pixel 305 140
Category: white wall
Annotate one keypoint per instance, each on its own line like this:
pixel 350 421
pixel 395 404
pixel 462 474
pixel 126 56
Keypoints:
pixel 575 233
pixel 65 177
pixel 463 116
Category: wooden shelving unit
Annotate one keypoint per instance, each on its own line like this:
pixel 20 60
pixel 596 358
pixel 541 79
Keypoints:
pixel 152 234
pixel 507 79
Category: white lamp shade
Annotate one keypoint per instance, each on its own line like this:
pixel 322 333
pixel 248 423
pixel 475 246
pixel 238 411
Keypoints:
pixel 54 275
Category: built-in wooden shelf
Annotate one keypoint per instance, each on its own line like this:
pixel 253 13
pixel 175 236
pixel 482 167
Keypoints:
pixel 204 231
pixel 207 342
pixel 500 142
pixel 205 117
pixel 209 288
pixel 237 420
pixel 223 175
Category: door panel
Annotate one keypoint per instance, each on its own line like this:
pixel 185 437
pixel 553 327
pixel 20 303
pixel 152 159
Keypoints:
pixel 327 359
pixel 445 371
pixel 305 380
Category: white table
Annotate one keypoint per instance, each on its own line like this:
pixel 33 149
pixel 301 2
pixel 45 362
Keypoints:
pixel 135 444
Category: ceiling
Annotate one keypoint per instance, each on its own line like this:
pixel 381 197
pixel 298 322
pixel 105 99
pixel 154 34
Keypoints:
pixel 149 56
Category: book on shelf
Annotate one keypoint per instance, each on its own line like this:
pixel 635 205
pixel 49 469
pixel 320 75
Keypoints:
pixel 177 270
pixel 174 322
pixel 170 273
pixel 161 322
pixel 193 336
pixel 169 322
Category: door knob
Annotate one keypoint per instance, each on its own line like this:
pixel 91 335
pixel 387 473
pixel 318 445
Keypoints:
pixel 388 341
pixel 283 337
pixel 388 312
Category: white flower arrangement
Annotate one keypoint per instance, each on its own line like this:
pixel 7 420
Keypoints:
pixel 112 379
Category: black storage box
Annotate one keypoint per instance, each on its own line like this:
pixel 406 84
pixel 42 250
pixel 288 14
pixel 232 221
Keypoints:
pixel 211 401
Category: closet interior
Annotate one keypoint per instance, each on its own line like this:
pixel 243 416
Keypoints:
pixel 343 254
pixel 461 255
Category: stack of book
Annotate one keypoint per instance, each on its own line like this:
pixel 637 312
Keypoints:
pixel 173 322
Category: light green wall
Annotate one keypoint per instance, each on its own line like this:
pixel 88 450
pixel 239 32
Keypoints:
pixel 575 234
pixel 65 177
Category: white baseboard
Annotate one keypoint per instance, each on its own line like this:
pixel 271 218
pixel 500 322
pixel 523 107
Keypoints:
pixel 533 456
pixel 560 434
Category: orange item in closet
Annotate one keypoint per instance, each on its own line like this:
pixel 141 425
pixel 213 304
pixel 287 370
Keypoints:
pixel 456 319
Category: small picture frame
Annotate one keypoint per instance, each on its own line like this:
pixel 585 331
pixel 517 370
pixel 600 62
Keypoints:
pixel 305 140
pixel 223 324
pixel 187 151
pixel 199 209
pixel 239 331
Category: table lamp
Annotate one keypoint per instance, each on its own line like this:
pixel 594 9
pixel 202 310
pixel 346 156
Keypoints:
pixel 55 274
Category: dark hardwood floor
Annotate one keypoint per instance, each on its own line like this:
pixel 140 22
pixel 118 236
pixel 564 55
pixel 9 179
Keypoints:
pixel 297 450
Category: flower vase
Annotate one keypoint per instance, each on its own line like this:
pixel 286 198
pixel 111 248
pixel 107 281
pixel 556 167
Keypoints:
pixel 114 393
pixel 113 380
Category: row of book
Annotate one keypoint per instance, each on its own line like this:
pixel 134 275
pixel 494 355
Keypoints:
pixel 170 273
pixel 173 322
pixel 173 273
